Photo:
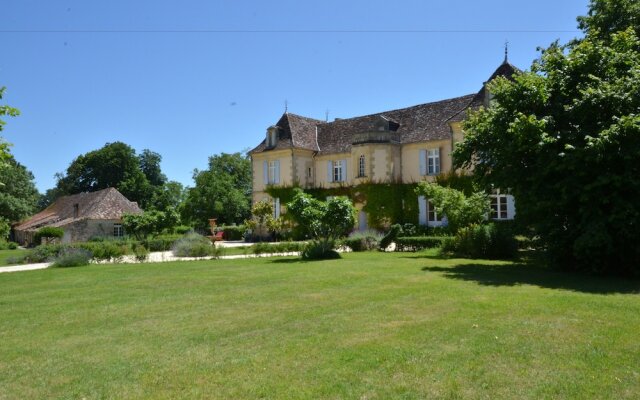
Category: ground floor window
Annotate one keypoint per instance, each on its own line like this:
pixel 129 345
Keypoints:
pixel 432 215
pixel 502 206
pixel 118 231
pixel 427 214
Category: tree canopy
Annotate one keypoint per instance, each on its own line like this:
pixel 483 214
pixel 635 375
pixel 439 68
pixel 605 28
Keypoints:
pixel 137 177
pixel 222 191
pixel 565 138
pixel 5 110
pixel 18 194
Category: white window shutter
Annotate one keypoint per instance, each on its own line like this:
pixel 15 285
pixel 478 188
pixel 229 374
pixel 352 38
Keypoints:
pixel 265 169
pixel 276 207
pixel 330 171
pixel 343 164
pixel 277 177
pixel 423 162
pixel 422 210
pixel 511 207
pixel 438 165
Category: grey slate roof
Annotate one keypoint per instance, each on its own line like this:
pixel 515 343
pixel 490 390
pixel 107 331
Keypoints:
pixel 420 123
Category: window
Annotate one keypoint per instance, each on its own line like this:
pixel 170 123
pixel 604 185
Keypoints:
pixel 309 173
pixel 499 207
pixel 361 166
pixel 433 161
pixel 272 137
pixel 271 172
pixel 432 216
pixel 337 171
pixel 118 231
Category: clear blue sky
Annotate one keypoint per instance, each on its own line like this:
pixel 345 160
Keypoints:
pixel 189 79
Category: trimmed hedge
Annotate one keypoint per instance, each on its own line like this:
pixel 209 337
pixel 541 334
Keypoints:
pixel 233 232
pixel 161 243
pixel 416 243
pixel 48 232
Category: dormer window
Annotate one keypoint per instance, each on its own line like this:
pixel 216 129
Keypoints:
pixel 272 136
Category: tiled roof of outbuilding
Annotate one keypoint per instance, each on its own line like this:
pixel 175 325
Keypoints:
pixel 105 204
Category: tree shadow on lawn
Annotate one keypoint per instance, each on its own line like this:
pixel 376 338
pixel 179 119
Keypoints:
pixel 512 274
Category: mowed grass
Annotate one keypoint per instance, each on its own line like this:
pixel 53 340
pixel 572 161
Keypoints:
pixel 6 255
pixel 368 326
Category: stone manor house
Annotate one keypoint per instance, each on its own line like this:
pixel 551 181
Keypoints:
pixel 408 145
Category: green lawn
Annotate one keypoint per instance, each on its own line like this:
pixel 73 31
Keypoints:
pixel 369 326
pixel 5 255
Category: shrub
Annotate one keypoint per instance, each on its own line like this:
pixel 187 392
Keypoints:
pixel 233 232
pixel 182 229
pixel 4 245
pixel 161 243
pixel 394 232
pixel 490 241
pixel 363 241
pixel 415 243
pixel 43 253
pixel 320 250
pixel 140 252
pixel 106 250
pixel 194 245
pixel 48 232
pixel 72 257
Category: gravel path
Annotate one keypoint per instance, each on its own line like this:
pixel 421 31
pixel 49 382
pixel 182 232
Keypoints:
pixel 160 256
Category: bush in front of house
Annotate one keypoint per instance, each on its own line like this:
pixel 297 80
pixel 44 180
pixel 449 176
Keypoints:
pixel 233 232
pixel 140 252
pixel 72 257
pixel 363 240
pixel 194 245
pixel 48 232
pixel 106 250
pixel 320 250
pixel 488 241
pixel 4 245
pixel 43 253
pixel 161 242
pixel 394 232
pixel 416 243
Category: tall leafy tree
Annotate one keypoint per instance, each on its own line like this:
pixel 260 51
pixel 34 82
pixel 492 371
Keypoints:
pixel 565 138
pixel 18 194
pixel 5 110
pixel 138 177
pixel 222 191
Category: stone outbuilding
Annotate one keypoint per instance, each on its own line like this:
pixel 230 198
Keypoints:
pixel 81 216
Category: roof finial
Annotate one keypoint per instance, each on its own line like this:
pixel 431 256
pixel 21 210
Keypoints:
pixel 506 51
pixel 286 106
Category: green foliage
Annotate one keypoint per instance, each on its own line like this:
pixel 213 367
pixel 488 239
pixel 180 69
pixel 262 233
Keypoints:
pixel 363 240
pixel 5 229
pixel 394 232
pixel 488 241
pixel 194 245
pixel 72 257
pixel 462 182
pixel 140 252
pixel 233 232
pixel 408 243
pixel 565 138
pixel 43 253
pixel 459 209
pixel 48 232
pixel 320 249
pixel 18 193
pixel 4 146
pixel 329 220
pixel 106 250
pixel 223 191
pixel 161 242
pixel 148 223
pixel 4 245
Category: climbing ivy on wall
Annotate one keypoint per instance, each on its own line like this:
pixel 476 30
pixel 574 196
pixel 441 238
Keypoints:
pixel 384 203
